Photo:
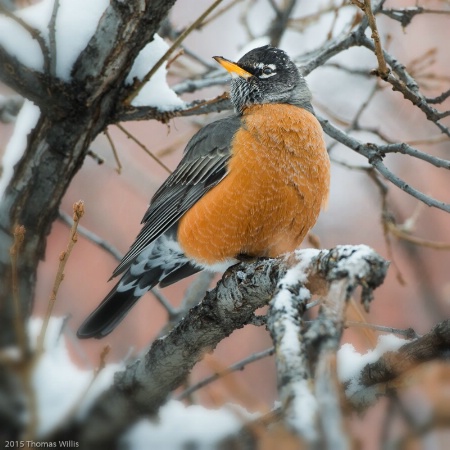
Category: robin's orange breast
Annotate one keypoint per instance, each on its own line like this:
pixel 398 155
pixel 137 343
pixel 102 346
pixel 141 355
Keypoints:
pixel 278 181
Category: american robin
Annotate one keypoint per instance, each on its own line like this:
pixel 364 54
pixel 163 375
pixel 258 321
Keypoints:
pixel 250 185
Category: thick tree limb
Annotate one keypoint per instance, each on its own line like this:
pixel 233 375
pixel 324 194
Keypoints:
pixel 144 386
pixel 72 115
pixel 33 85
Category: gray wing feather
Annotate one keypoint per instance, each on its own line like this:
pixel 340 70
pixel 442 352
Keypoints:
pixel 203 166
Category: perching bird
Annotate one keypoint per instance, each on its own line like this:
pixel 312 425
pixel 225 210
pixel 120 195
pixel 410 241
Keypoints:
pixel 248 186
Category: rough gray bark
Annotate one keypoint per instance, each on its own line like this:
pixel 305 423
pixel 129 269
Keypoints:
pixel 145 385
pixel 304 352
pixel 72 115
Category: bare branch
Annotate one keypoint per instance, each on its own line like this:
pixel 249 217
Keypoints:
pixel 233 368
pixel 146 150
pixel 78 212
pixel 279 25
pixel 406 149
pixel 406 15
pixel 216 104
pixel 114 150
pixel 440 98
pixel 383 69
pixel 405 84
pixel 82 231
pixel 375 376
pixel 140 84
pixel 215 78
pixel 19 326
pixel 409 333
pixel 144 385
pixel 52 38
pixel 375 158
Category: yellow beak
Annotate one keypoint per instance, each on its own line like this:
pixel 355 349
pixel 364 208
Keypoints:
pixel 232 67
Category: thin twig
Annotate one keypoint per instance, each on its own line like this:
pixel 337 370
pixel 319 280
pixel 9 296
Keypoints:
pixel 383 189
pixel 403 82
pixel 394 179
pixel 406 149
pixel 213 79
pixel 279 24
pixel 82 231
pixel 233 368
pixel 405 16
pixel 52 37
pixel 98 159
pixel 402 234
pixel 78 211
pixel 408 333
pixel 133 138
pixel 440 98
pixel 140 84
pixel 375 158
pixel 171 311
pixel 114 150
pixel 383 70
pixel 218 13
pixel 19 326
pixel 35 34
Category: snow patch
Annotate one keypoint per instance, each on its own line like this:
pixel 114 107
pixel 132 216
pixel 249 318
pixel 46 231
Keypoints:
pixel 58 383
pixel 180 427
pixel 303 408
pixel 75 24
pixel 350 363
pixel 156 92
pixel 25 122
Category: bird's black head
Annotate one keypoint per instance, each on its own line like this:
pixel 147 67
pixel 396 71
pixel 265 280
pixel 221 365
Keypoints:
pixel 266 75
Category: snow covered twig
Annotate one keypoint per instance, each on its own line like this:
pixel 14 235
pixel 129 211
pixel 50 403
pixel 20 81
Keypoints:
pixel 304 354
pixel 376 377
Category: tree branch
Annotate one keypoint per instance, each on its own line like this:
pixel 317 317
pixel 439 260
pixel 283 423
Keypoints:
pixel 375 158
pixel 34 85
pixel 366 6
pixel 34 33
pixel 72 116
pixel 144 386
pixel 374 379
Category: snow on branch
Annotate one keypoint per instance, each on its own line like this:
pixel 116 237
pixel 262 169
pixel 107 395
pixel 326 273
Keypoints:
pixel 305 352
pixel 145 385
pixel 395 358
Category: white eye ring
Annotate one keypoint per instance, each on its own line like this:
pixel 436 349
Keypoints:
pixel 268 71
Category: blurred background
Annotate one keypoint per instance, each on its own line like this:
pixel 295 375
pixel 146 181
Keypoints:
pixel 416 292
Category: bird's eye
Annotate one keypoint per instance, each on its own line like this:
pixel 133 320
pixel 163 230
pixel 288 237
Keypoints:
pixel 267 70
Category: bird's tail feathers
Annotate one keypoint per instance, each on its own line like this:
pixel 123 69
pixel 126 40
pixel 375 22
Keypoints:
pixel 161 262
pixel 108 314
